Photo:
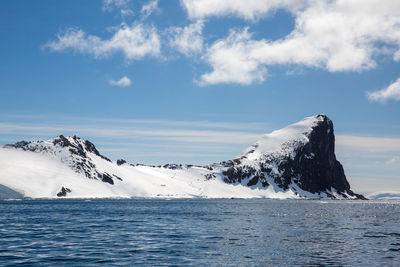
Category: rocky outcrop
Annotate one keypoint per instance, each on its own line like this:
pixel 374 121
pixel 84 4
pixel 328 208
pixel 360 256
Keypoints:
pixel 306 162
pixel 76 152
pixel 63 192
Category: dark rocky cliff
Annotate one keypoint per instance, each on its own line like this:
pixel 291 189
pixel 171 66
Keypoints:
pixel 311 166
pixel 321 171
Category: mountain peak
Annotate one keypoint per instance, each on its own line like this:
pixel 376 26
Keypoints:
pixel 299 156
pixel 78 143
pixel 284 140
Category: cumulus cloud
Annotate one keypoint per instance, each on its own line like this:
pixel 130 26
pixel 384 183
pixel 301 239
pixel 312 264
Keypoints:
pixel 331 35
pixel 231 61
pixel 187 40
pixel 390 92
pixel 123 82
pixel 134 42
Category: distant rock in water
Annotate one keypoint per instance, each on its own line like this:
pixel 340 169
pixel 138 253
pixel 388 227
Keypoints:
pixel 297 161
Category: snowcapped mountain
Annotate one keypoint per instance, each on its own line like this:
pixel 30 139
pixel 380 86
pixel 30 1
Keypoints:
pixel 297 161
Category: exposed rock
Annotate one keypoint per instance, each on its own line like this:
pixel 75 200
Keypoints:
pixel 63 192
pixel 91 148
pixel 21 144
pixel 61 141
pixel 105 177
pixel 119 178
pixel 172 166
pixel 209 176
pixel 120 162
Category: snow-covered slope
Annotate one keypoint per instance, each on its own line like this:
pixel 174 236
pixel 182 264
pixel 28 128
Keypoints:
pixel 295 162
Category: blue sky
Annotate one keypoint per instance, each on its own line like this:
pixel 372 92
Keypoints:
pixel 198 81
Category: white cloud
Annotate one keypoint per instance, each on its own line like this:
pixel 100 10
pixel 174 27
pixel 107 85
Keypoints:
pixel 149 8
pixel 187 40
pixel 332 35
pixel 123 82
pixel 134 42
pixel 249 9
pixel 390 92
pixel 231 61
pixel 372 144
pixel 109 5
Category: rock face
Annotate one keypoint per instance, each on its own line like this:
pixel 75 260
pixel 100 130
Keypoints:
pixel 315 163
pixel 296 161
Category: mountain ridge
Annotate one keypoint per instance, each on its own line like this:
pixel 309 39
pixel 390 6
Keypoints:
pixel 297 161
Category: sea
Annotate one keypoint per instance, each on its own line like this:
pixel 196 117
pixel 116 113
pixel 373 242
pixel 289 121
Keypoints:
pixel 199 232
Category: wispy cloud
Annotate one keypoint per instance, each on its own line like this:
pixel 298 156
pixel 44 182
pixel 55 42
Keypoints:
pixel 149 8
pixel 143 123
pixel 393 160
pixel 187 40
pixel 123 82
pixel 205 136
pixel 390 92
pixel 368 143
pixel 109 5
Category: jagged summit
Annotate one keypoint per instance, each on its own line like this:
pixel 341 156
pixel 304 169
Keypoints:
pixel 296 161
pixel 75 145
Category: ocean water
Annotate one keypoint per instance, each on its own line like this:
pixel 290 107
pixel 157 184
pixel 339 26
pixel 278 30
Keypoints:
pixel 199 232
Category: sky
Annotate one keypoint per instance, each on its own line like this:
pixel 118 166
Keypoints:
pixel 198 81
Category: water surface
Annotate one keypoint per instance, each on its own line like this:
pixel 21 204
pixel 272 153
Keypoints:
pixel 199 232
